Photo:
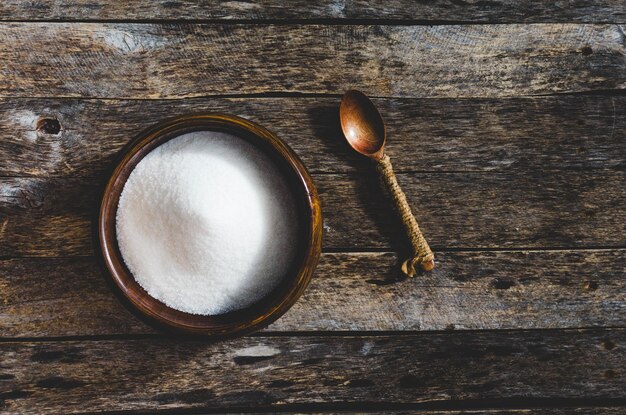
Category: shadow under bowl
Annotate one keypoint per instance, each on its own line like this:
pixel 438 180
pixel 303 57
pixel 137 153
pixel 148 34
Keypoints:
pixel 309 236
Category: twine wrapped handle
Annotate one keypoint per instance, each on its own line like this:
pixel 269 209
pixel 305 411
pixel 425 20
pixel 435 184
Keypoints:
pixel 422 254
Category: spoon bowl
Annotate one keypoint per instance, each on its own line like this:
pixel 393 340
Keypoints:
pixel 362 125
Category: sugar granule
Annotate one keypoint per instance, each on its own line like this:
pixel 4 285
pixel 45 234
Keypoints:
pixel 207 224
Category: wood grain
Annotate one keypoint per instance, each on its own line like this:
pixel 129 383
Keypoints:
pixel 186 60
pixel 269 372
pixel 504 11
pixel 54 217
pixel 351 292
pixel 511 134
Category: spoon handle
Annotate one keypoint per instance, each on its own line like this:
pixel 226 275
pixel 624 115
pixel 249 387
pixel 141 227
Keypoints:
pixel 422 254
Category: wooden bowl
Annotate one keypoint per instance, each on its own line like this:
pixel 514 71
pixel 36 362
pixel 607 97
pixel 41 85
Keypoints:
pixel 292 285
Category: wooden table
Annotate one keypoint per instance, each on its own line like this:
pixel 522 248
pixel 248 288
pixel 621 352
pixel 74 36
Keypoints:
pixel 507 125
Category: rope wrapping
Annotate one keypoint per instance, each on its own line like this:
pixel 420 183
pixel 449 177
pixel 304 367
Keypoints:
pixel 422 254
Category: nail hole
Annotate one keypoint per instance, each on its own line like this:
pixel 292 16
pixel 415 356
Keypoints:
pixel 502 284
pixel 409 381
pixel 586 50
pixel 608 344
pixel 609 374
pixel 591 286
pixel 589 213
pixel 49 125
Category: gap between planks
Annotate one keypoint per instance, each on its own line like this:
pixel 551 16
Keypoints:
pixel 311 95
pixel 338 96
pixel 171 336
pixel 520 406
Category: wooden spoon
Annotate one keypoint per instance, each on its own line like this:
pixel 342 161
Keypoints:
pixel 365 131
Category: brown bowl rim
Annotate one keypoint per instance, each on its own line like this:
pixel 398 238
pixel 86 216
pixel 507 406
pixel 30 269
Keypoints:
pixel 239 322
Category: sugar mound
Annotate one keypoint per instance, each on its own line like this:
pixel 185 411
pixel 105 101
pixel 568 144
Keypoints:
pixel 206 223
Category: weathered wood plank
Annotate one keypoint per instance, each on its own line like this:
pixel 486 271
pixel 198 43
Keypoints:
pixel 53 217
pixel 468 290
pixel 186 60
pixel 480 210
pixel 351 291
pixel 273 371
pixel 504 11
pixel 513 134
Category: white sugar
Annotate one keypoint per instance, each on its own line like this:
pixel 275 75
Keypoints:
pixel 206 223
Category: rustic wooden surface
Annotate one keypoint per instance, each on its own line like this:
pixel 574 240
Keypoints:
pixel 506 11
pixel 506 123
